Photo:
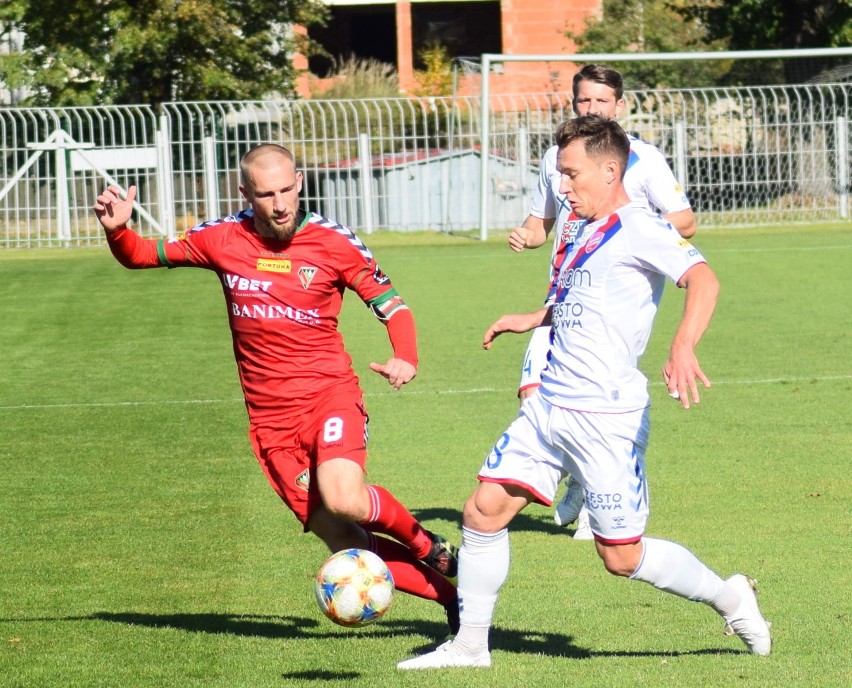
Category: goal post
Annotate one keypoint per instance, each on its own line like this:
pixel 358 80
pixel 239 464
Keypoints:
pixel 490 61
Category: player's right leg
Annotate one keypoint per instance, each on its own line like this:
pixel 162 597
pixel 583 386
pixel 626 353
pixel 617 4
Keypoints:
pixel 519 469
pixel 344 493
pixel 287 467
pixel 337 429
pixel 483 568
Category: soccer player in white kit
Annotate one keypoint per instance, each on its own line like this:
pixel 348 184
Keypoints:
pixel 597 90
pixel 590 417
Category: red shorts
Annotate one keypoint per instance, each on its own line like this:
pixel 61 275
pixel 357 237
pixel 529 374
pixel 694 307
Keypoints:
pixel 290 450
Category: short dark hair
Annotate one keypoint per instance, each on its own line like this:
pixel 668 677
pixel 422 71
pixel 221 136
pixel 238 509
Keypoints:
pixel 601 137
pixel 600 74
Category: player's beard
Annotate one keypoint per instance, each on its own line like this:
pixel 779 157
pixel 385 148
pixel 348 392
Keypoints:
pixel 282 232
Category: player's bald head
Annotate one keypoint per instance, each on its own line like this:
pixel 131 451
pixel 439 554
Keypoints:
pixel 264 155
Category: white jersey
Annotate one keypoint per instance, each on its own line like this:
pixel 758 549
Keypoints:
pixel 604 303
pixel 647 180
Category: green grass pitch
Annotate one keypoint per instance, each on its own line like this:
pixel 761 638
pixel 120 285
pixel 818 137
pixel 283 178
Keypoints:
pixel 141 545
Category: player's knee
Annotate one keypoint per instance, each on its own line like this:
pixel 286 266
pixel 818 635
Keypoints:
pixel 620 560
pixel 491 507
pixel 347 507
pixel 347 504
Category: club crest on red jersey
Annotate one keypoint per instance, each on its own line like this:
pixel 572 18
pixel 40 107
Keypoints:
pixel 306 275
pixel 303 480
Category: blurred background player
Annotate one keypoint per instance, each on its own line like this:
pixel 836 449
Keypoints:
pixel 590 417
pixel 597 90
pixel 284 272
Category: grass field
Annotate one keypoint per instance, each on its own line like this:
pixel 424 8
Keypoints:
pixel 141 545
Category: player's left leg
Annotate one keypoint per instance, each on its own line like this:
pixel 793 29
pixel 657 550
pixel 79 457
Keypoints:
pixel 617 497
pixel 673 568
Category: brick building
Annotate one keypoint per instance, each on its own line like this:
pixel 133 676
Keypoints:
pixel 396 32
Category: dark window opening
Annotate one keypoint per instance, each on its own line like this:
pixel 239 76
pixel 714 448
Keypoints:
pixel 465 29
pixel 363 31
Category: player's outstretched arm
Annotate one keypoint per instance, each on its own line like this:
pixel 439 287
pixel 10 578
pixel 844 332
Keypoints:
pixel 113 211
pixel 517 323
pixel 682 369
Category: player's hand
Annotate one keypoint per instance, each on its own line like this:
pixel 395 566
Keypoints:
pixel 396 371
pixel 518 239
pixel 112 210
pixel 680 374
pixel 512 322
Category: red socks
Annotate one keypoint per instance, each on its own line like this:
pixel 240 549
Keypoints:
pixel 389 517
pixel 410 575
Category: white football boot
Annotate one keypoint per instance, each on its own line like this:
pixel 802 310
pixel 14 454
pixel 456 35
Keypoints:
pixel 444 656
pixel 584 530
pixel 568 508
pixel 747 621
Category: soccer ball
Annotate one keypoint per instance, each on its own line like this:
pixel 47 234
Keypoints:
pixel 354 587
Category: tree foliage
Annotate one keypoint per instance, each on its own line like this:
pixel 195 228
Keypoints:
pixel 769 24
pixel 647 26
pixel 83 52
pixel 650 26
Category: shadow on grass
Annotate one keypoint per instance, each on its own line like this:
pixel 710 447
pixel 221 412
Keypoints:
pixel 295 628
pixel 321 676
pixel 534 519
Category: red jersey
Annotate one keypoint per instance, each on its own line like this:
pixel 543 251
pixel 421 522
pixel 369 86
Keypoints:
pixel 283 300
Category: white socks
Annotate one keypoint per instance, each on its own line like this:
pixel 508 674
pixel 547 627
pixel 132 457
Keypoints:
pixel 483 568
pixel 672 567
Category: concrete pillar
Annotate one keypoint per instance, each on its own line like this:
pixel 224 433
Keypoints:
pixel 404 47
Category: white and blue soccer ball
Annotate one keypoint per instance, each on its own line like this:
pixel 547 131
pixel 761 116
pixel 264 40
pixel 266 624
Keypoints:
pixel 354 587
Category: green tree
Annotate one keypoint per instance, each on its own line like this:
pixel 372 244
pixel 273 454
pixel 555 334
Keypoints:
pixel 79 52
pixel 769 24
pixel 437 77
pixel 651 26
pixel 700 25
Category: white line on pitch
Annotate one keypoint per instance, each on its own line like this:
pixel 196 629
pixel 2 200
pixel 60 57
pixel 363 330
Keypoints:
pixel 475 390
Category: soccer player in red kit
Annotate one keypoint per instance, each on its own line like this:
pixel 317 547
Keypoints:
pixel 283 272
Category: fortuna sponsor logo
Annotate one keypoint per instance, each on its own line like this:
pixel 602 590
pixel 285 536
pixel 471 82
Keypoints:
pixel 268 265
pixel 237 283
pixel 261 311
pixel 306 274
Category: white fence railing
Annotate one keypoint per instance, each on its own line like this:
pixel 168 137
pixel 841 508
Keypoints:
pixel 745 156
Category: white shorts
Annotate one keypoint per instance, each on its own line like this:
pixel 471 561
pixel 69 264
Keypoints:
pixel 536 358
pixel 604 451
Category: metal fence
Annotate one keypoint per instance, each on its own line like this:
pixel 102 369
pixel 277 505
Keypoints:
pixel 745 156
